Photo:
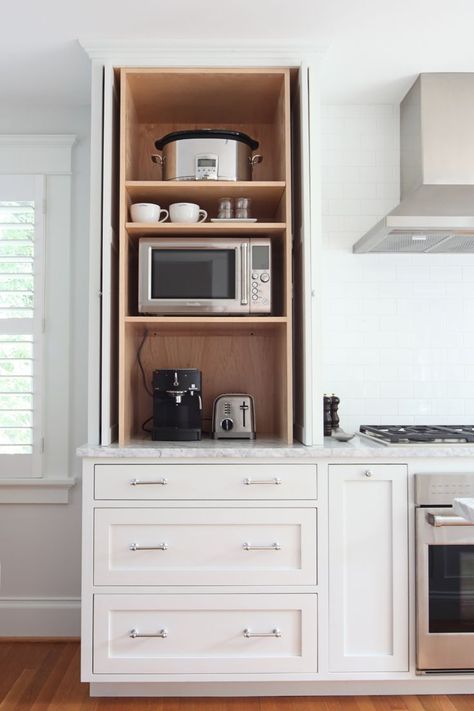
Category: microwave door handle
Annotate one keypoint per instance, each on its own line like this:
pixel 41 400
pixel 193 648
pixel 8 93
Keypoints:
pixel 244 274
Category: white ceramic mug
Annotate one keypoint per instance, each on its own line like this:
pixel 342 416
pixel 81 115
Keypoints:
pixel 187 212
pixel 147 212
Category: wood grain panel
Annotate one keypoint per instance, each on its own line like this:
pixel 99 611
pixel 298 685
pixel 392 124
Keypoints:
pixel 246 362
pixel 226 95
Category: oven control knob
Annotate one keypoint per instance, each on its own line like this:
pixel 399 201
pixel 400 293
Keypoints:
pixel 265 277
pixel 227 424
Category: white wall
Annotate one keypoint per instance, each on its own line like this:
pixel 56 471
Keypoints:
pixel 40 544
pixel 398 341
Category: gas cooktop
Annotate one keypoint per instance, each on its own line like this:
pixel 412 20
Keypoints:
pixel 419 434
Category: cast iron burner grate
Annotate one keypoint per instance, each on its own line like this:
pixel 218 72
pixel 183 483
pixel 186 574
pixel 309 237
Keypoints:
pixel 400 434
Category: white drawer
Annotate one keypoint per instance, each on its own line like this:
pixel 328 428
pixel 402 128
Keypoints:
pixel 205 547
pixel 205 481
pixel 187 634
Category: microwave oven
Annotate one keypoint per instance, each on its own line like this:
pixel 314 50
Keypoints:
pixel 205 275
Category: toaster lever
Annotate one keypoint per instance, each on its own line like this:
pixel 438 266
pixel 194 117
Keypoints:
pixel 244 407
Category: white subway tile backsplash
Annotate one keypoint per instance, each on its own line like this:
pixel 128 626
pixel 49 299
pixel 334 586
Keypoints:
pixel 396 389
pixel 415 406
pixel 397 329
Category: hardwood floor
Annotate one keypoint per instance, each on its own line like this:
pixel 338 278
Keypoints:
pixel 44 676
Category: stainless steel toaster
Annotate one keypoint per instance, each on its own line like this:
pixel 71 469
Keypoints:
pixel 233 417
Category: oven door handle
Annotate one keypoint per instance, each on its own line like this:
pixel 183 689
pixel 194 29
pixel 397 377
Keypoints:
pixel 438 520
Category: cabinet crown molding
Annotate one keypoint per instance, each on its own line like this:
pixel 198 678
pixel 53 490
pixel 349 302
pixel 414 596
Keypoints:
pixel 184 52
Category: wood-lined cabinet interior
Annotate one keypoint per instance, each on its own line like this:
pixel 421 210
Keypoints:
pixel 251 354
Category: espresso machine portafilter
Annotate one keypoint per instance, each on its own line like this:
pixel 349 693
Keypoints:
pixel 177 404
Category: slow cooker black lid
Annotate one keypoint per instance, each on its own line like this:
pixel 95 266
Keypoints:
pixel 206 133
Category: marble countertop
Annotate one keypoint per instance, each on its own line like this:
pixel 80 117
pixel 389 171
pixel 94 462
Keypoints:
pixel 357 448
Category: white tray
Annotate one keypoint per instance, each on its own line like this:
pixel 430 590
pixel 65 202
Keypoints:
pixel 233 219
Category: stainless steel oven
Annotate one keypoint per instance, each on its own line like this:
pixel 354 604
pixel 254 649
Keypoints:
pixel 444 575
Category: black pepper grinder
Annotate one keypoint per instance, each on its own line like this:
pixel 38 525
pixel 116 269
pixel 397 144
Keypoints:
pixel 334 413
pixel 327 415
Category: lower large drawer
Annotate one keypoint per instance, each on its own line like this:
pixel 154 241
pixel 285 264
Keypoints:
pixel 205 634
pixel 205 546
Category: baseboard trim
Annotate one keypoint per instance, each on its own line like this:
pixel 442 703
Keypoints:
pixel 274 688
pixel 38 640
pixel 40 617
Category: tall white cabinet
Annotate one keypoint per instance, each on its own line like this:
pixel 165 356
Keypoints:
pixel 303 64
pixel 368 567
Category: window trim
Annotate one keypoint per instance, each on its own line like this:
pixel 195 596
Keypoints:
pixel 49 156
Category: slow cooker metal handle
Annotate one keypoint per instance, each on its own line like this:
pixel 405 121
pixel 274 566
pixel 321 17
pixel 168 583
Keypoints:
pixel 159 160
pixel 253 160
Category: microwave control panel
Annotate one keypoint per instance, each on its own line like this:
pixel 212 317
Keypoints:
pixel 260 278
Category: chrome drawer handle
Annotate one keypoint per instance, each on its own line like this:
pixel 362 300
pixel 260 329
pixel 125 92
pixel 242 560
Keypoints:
pixel 160 547
pixel 272 547
pixel 368 473
pixel 137 482
pixel 275 480
pixel 274 633
pixel 134 634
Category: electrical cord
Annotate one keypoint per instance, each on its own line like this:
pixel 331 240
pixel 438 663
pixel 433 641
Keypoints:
pixel 144 425
pixel 140 364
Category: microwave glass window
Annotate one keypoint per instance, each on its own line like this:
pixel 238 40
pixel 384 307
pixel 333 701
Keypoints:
pixel 193 274
pixel 451 588
pixel 260 257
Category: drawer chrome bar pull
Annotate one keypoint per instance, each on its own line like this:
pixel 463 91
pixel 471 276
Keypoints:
pixel 137 482
pixel 274 633
pixel 134 634
pixel 275 481
pixel 160 547
pixel 272 547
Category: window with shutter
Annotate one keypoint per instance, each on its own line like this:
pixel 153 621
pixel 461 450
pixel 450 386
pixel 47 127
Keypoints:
pixel 21 320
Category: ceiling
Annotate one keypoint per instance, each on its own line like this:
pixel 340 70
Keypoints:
pixel 374 48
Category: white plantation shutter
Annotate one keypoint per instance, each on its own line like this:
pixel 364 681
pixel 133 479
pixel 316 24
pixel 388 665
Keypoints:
pixel 21 324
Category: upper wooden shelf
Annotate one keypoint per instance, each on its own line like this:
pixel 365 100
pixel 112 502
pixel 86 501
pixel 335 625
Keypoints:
pixel 227 325
pixel 265 195
pixel 214 228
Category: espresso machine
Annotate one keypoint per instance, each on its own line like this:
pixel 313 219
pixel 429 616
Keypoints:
pixel 177 404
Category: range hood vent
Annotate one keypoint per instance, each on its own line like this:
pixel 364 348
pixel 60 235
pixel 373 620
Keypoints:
pixel 436 211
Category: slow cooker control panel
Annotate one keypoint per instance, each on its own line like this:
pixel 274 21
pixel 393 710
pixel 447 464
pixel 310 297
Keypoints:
pixel 206 166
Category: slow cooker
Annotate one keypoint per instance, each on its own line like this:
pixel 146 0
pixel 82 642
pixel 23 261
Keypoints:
pixel 206 154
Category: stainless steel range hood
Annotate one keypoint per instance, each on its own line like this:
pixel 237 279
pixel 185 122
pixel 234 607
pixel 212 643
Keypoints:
pixel 436 211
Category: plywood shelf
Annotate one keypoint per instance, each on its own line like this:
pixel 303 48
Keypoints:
pixel 212 228
pixel 243 325
pixel 266 195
